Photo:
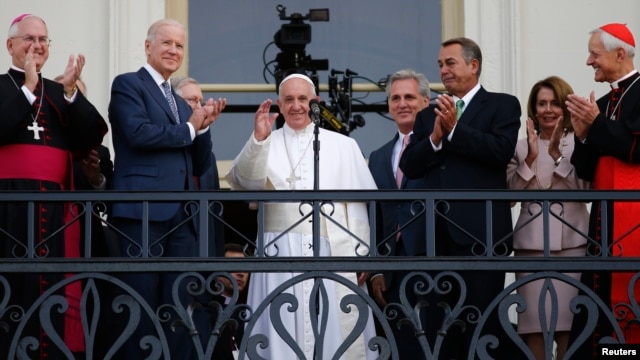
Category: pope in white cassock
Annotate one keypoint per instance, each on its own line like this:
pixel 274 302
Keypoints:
pixel 283 160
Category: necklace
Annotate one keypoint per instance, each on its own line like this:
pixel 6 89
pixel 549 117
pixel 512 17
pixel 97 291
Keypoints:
pixel 540 186
pixel 613 113
pixel 35 127
pixel 535 166
pixel 292 176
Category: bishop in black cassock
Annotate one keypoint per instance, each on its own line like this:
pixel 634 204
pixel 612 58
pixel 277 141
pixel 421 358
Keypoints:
pixel 42 128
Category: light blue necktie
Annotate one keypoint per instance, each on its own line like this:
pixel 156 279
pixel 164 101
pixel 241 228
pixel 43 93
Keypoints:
pixel 172 102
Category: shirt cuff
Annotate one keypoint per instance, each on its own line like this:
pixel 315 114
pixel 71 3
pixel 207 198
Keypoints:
pixel 450 136
pixel 30 97
pixel 72 98
pixel 192 131
pixel 435 148
pixel 200 132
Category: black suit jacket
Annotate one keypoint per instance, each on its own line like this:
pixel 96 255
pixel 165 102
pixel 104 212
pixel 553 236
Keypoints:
pixel 476 158
pixel 395 213
pixel 230 337
pixel 99 246
pixel 210 180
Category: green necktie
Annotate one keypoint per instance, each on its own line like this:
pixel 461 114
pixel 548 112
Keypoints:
pixel 459 106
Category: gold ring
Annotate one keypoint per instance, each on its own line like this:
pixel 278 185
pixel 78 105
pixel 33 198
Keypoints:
pixel 446 112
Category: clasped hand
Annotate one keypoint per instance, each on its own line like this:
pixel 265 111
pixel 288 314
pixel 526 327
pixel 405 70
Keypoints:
pixel 583 112
pixel 446 118
pixel 69 78
pixel 204 116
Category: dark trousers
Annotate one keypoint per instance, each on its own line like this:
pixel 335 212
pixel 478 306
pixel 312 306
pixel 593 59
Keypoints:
pixel 482 287
pixel 406 340
pixel 166 239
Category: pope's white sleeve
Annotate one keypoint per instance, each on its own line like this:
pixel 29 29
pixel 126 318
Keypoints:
pixel 249 169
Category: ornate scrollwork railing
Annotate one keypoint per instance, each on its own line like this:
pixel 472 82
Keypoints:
pixel 110 306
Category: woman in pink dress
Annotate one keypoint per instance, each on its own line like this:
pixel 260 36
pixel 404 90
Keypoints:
pixel 542 162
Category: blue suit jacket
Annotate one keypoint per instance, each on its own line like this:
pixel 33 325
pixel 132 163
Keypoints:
pixel 476 158
pixel 152 151
pixel 392 214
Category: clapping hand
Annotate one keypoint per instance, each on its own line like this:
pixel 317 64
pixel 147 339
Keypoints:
pixel 532 143
pixel 30 71
pixel 583 113
pixel 445 118
pixel 207 114
pixel 556 136
pixel 72 73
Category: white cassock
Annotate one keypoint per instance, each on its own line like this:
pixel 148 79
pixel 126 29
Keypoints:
pixel 285 161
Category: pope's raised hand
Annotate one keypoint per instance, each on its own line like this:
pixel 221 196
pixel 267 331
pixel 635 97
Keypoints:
pixel 264 121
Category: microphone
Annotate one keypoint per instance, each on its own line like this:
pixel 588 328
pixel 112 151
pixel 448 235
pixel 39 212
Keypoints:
pixel 314 111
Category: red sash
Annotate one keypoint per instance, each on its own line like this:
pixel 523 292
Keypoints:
pixel 613 174
pixel 45 163
pixel 34 162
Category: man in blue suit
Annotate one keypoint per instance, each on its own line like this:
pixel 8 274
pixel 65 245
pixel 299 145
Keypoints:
pixel 160 143
pixel 466 142
pixel 407 94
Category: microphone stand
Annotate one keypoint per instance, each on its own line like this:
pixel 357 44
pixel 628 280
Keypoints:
pixel 316 204
pixel 316 180
pixel 316 152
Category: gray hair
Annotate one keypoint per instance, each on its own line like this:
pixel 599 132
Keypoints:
pixel 423 83
pixel 611 42
pixel 153 29
pixel 470 50
pixel 178 83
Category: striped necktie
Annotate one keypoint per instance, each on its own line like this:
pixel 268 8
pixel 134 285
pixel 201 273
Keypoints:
pixel 172 102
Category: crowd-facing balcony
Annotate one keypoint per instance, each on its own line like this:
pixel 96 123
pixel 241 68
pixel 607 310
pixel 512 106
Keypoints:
pixel 105 297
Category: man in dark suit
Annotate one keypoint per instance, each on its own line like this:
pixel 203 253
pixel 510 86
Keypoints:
pixel 466 142
pixel 407 94
pixel 189 89
pixel 93 170
pixel 160 143
pixel 231 336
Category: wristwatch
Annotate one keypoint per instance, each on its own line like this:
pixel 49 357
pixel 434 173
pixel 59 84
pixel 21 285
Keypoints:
pixel 557 161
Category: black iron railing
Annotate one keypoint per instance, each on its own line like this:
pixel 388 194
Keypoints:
pixel 203 272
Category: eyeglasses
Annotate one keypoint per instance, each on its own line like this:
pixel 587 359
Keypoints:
pixel 194 101
pixel 43 41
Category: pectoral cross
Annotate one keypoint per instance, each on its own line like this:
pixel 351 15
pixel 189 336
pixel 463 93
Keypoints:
pixel 292 180
pixel 36 130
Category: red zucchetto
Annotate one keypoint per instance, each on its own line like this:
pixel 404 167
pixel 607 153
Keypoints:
pixel 620 31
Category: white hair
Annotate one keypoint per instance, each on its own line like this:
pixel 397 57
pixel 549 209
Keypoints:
pixel 611 42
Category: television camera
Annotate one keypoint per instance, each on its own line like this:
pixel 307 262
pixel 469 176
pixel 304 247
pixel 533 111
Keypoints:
pixel 292 39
